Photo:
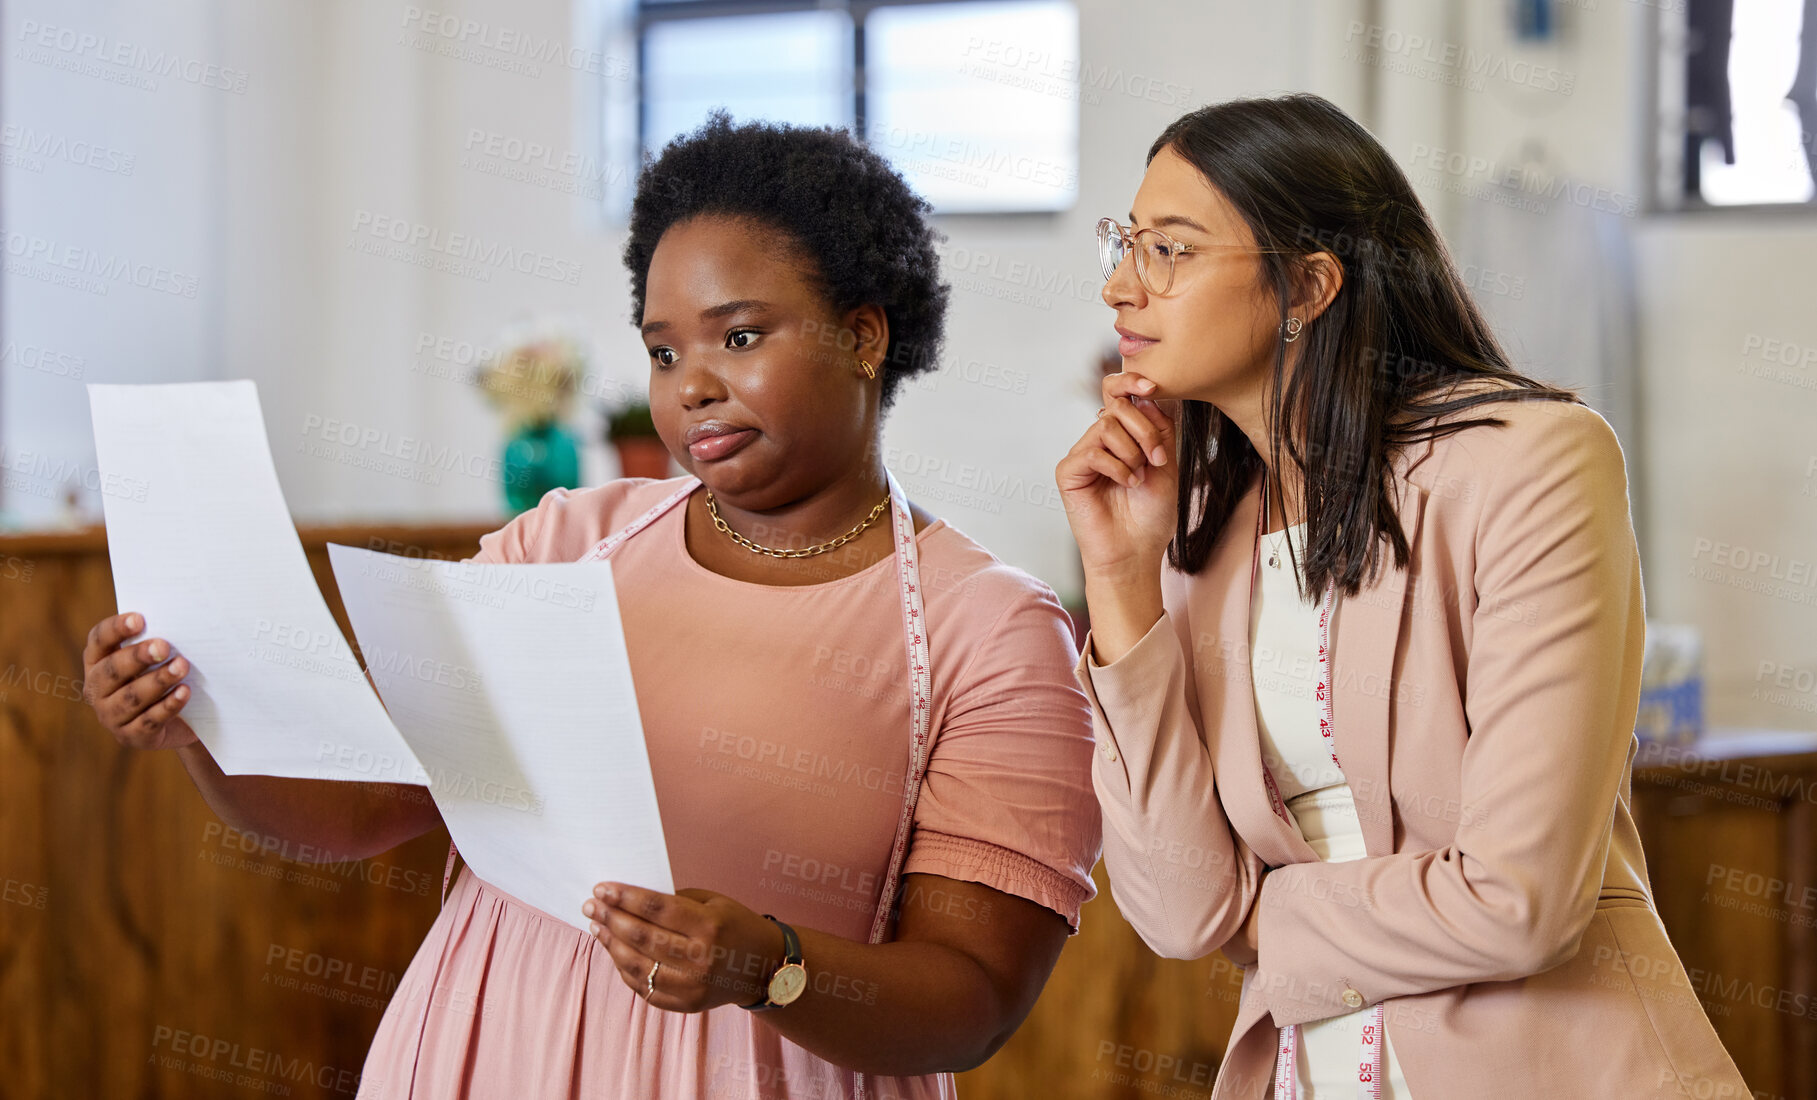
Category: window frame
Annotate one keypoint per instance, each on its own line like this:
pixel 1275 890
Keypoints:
pixel 648 13
pixel 1667 29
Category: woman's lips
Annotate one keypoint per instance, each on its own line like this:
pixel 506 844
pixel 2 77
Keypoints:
pixel 712 448
pixel 1130 345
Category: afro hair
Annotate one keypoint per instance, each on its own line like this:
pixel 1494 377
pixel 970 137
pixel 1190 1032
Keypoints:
pixel 850 214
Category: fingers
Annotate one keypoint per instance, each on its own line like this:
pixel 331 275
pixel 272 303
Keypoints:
pixel 124 697
pixel 633 966
pixel 114 667
pixel 635 946
pixel 1088 462
pixel 650 921
pixel 652 941
pixel 135 698
pixel 1162 416
pixel 1148 429
pixel 147 730
pixel 1126 432
pixel 664 910
pixel 1126 384
pixel 676 988
pixel 1115 441
pixel 107 634
pixel 1163 412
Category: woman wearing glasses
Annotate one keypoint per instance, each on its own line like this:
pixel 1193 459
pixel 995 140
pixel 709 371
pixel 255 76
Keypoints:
pixel 871 757
pixel 1366 640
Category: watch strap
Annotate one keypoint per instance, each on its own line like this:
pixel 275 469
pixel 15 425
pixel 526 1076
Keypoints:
pixel 791 956
pixel 791 943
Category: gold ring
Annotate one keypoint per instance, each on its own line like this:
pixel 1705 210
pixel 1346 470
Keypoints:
pixel 650 982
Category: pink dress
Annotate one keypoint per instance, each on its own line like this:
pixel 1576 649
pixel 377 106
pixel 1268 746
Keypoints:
pixel 777 720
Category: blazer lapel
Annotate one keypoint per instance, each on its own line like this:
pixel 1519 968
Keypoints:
pixel 1364 645
pixel 1363 650
pixel 1227 688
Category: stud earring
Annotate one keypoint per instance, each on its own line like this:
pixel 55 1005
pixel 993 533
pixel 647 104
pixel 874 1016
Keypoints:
pixel 1290 329
pixel 869 371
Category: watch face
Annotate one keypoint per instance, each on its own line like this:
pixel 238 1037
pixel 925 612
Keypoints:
pixel 788 983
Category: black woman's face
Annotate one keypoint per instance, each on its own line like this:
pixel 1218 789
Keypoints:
pixel 742 342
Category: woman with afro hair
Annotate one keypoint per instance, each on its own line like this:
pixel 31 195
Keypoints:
pixel 872 759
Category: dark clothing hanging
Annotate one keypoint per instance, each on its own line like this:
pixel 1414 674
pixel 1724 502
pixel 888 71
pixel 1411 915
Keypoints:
pixel 1708 113
pixel 1803 93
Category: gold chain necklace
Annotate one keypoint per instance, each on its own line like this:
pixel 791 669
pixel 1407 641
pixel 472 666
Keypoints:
pixel 755 548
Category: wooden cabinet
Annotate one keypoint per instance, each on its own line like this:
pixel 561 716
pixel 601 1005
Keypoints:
pixel 1730 831
pixel 147 951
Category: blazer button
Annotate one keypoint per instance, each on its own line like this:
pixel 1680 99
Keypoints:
pixel 1353 998
pixel 1110 751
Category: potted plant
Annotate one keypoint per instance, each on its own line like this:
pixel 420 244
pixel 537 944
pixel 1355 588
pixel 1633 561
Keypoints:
pixel 533 382
pixel 632 432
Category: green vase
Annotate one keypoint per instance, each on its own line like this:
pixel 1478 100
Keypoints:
pixel 538 458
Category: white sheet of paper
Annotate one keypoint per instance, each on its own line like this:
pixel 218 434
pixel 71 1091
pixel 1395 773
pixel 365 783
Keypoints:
pixel 512 685
pixel 202 545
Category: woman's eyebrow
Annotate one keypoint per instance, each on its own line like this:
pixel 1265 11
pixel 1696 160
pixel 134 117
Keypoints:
pixel 724 309
pixel 1172 219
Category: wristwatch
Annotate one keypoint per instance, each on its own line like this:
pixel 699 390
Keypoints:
pixel 790 979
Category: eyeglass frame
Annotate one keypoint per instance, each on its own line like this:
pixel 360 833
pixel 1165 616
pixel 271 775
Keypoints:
pixel 1177 247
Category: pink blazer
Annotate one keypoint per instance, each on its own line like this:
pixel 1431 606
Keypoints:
pixel 1484 702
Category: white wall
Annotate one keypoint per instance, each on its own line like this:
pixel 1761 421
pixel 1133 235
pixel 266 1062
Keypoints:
pixel 344 120
pixel 258 193
pixel 110 180
pixel 1729 349
pixel 1025 316
pixel 1717 409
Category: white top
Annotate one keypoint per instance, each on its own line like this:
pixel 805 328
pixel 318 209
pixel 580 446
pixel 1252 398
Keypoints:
pixel 1284 663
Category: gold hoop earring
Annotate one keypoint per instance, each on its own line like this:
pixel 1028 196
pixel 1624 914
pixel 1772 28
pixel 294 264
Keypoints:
pixel 869 371
pixel 1290 329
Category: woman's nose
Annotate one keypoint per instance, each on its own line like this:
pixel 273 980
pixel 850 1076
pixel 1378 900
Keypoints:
pixel 699 384
pixel 1123 287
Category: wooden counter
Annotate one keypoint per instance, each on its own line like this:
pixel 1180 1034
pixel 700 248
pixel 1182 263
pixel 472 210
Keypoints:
pixel 1730 830
pixel 132 920
pixel 132 923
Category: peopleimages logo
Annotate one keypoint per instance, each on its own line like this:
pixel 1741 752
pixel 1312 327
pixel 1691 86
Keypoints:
pixel 459 37
pixel 986 160
pixel 1064 74
pixel 516 151
pixel 405 456
pixel 27 148
pixel 464 248
pixel 1528 179
pixel 1461 60
pixel 68 48
pixel 41 474
pixel 95 270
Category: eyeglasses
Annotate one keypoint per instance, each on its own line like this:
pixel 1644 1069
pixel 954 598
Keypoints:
pixel 1155 252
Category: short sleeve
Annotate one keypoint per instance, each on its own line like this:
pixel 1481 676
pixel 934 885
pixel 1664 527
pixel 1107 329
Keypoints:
pixel 513 543
pixel 1008 799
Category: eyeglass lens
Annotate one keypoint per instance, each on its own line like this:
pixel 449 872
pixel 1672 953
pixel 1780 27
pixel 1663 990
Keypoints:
pixel 1154 256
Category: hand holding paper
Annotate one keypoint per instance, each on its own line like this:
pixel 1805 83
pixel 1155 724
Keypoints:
pixel 508 687
pixel 207 552
pixel 539 765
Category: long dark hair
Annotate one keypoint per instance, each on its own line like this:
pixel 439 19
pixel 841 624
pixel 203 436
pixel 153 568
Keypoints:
pixel 1378 371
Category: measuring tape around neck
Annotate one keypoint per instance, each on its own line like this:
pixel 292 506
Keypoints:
pixel 1286 1063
